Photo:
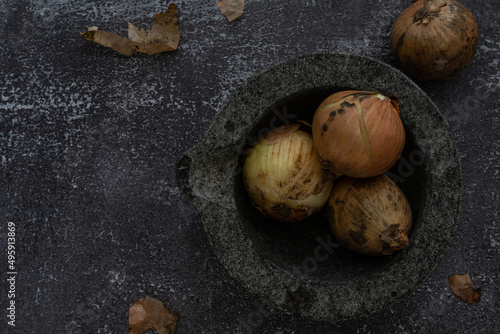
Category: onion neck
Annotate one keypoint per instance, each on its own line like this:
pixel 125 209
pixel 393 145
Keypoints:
pixel 393 238
pixel 425 14
pixel 328 171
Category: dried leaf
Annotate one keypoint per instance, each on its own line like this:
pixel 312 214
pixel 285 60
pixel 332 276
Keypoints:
pixel 138 36
pixel 232 9
pixel 150 313
pixel 164 36
pixel 138 319
pixel 462 286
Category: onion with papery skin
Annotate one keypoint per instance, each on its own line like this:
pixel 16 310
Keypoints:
pixel 358 133
pixel 283 176
pixel 370 216
pixel 434 39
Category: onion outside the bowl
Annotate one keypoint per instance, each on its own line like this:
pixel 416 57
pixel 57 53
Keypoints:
pixel 371 216
pixel 358 133
pixel 283 176
pixel 434 39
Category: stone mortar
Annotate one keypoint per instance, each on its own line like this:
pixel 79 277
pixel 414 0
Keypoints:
pixel 299 268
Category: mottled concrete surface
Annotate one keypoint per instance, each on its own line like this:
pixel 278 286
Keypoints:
pixel 89 140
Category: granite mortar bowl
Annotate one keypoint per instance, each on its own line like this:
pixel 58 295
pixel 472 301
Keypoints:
pixel 298 267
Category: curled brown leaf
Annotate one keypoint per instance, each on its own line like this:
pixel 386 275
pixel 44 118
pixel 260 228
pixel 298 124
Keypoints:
pixel 150 313
pixel 232 9
pixel 462 286
pixel 164 36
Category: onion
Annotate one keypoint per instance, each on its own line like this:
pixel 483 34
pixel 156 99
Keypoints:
pixel 434 39
pixel 283 176
pixel 358 133
pixel 370 216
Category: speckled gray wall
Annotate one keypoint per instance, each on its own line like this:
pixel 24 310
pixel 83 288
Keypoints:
pixel 89 140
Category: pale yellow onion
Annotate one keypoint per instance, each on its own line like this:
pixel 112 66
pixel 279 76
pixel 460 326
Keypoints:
pixel 358 134
pixel 283 175
pixel 371 216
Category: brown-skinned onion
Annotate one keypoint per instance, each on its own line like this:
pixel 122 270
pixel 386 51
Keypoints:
pixel 358 133
pixel 434 39
pixel 370 216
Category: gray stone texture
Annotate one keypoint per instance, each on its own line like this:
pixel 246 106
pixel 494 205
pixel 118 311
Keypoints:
pixel 286 264
pixel 89 142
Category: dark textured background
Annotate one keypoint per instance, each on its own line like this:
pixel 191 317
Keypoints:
pixel 89 140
